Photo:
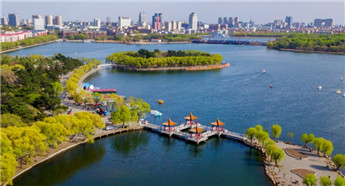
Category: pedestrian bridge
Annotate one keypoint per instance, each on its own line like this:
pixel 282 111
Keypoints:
pixel 179 132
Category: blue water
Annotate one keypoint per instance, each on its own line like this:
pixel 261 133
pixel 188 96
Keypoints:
pixel 239 95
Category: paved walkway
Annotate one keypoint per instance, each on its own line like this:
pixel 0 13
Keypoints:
pixel 314 163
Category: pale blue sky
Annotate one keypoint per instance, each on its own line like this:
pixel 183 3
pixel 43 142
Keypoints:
pixel 259 11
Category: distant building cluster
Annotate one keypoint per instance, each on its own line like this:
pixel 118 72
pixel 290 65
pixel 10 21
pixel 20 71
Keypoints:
pixel 126 26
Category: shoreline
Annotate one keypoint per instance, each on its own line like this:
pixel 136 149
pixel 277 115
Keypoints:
pixel 65 146
pixel 34 45
pixel 308 51
pixel 187 68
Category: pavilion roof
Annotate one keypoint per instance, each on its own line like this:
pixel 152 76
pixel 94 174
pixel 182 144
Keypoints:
pixel 196 129
pixel 217 123
pixel 169 123
pixel 190 117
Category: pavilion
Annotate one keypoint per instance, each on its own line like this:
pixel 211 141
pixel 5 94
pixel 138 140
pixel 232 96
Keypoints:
pixel 217 124
pixel 190 119
pixel 169 123
pixel 198 132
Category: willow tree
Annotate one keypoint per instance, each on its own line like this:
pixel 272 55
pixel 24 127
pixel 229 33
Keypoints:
pixel 121 116
pixel 276 131
pixel 318 143
pixel 307 138
pixel 277 155
pixel 250 133
pixel 339 160
pixel 310 180
pixel 327 147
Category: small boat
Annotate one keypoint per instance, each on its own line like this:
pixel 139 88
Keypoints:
pixel 341 79
pixel 338 91
pixel 263 71
pixel 271 86
pixel 344 95
pixel 320 87
pixel 160 101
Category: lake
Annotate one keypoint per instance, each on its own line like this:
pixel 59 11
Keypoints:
pixel 239 95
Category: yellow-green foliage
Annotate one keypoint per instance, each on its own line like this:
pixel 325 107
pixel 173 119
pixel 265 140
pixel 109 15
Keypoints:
pixel 22 143
pixel 72 82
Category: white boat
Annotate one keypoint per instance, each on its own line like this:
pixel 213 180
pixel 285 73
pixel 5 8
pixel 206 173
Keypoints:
pixel 341 79
pixel 338 91
pixel 344 95
pixel 320 87
pixel 263 71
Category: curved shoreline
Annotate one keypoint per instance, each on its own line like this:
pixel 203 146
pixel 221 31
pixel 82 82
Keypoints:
pixel 38 159
pixel 34 45
pixel 186 68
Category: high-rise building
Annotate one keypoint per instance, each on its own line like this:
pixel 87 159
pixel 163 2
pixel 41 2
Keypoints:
pixel 236 21
pixel 220 20
pixel 4 20
pixel 231 22
pixel 323 22
pixel 13 19
pixel 168 26
pixel 108 20
pixel 174 25
pixel 157 21
pixel 193 21
pixel 288 21
pixel 225 21
pixel 49 20
pixel 38 22
pixel 58 20
pixel 97 23
pixel 124 21
pixel 142 19
pixel 179 26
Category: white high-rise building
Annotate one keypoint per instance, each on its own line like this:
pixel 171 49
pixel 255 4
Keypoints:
pixel 179 26
pixel 38 22
pixel 124 21
pixel 193 21
pixel 49 20
pixel 97 23
pixel 174 25
pixel 168 26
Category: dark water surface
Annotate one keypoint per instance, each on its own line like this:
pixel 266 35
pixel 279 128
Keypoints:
pixel 240 96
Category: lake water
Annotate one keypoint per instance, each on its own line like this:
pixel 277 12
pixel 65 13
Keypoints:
pixel 239 95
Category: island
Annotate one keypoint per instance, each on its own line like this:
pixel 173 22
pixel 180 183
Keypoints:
pixel 157 60
pixel 320 43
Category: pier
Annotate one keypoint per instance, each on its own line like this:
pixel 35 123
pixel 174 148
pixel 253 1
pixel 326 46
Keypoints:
pixel 179 132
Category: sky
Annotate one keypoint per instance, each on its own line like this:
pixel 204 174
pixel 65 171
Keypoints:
pixel 263 11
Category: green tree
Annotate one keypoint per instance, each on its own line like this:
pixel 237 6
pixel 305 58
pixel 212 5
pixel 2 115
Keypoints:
pixel 250 133
pixel 290 135
pixel 11 120
pixel 58 89
pixel 258 127
pixel 121 116
pixel 8 160
pixel 277 155
pixel 318 143
pixel 262 137
pixel 55 133
pixel 310 180
pixel 307 138
pixel 276 131
pixel 327 147
pixel 325 181
pixel 339 160
pixel 339 181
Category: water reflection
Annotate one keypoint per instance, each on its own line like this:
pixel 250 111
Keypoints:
pixel 130 142
pixel 64 166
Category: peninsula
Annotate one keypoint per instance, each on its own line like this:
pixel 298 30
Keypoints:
pixel 157 60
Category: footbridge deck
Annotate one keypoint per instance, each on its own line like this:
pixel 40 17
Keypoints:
pixel 179 132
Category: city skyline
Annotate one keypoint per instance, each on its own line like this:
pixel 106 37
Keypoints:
pixel 207 12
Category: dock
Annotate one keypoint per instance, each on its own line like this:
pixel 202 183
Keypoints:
pixel 178 131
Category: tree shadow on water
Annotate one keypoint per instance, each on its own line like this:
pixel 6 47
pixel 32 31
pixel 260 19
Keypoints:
pixel 128 143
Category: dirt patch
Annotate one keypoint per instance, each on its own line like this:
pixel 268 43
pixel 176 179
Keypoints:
pixel 295 153
pixel 302 172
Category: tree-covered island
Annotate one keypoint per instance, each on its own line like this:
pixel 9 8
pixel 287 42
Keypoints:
pixel 165 60
pixel 323 43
